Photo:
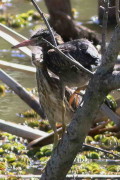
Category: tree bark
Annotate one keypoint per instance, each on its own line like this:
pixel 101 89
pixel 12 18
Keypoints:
pixel 72 141
pixel 61 19
pixel 111 13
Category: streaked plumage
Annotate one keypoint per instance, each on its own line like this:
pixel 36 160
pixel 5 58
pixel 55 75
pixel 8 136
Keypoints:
pixel 51 98
pixel 81 49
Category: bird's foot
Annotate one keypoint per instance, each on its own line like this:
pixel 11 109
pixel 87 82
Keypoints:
pixel 63 128
pixel 75 96
pixel 56 139
pixel 63 116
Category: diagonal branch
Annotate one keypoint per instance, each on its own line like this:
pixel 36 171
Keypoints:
pixel 112 115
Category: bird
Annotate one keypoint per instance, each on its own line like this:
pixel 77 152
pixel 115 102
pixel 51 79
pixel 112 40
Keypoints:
pixel 82 50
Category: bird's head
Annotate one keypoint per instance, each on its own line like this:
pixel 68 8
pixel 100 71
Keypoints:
pixel 37 39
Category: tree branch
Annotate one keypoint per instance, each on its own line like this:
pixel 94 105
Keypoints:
pixel 83 119
pixel 112 51
pixel 112 81
pixel 108 112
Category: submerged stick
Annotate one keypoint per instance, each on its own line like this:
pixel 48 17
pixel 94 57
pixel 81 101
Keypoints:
pixel 22 93
pixel 13 38
pixel 17 67
pixel 21 130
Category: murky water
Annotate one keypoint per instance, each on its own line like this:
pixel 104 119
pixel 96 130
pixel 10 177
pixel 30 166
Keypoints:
pixel 10 104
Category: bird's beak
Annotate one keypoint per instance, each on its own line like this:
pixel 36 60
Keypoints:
pixel 30 42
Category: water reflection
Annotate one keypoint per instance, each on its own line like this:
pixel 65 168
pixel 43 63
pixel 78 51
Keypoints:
pixel 11 104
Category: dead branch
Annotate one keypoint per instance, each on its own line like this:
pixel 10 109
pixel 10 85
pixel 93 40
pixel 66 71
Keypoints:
pixel 22 93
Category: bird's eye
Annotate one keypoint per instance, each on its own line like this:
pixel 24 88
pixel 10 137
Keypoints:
pixel 74 68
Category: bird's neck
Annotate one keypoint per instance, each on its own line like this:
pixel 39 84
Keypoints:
pixel 45 46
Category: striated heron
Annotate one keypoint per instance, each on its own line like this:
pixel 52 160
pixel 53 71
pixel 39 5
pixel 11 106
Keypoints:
pixel 81 50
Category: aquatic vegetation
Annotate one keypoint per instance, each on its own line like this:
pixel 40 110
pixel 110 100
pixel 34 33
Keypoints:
pixel 32 123
pixel 18 147
pixel 118 145
pixel 92 155
pixel 14 147
pixel 40 124
pixel 20 20
pixel 87 168
pixel 16 157
pixel 110 101
pixel 44 151
pixel 75 13
pixel 3 166
pixel 11 157
pixel 3 89
pixel 88 139
pixel 28 114
pixel 31 152
pixel 109 142
pixel 19 165
pixel 113 168
pixel 80 158
pixel 98 137
pixel 44 125
pixel 24 158
pixel 1 151
pixel 44 160
pixel 77 169
pixel 8 136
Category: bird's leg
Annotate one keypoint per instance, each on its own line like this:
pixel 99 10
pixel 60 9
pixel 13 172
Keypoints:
pixel 63 107
pixel 63 116
pixel 72 97
pixel 52 122
pixel 56 136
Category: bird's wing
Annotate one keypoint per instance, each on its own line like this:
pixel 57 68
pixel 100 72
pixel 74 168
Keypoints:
pixel 58 60
pixel 88 48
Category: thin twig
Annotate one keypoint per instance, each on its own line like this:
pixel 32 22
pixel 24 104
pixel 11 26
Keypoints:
pixel 46 22
pixel 117 3
pixel 112 7
pixel 72 60
pixel 48 25
pixel 100 149
pixel 104 27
